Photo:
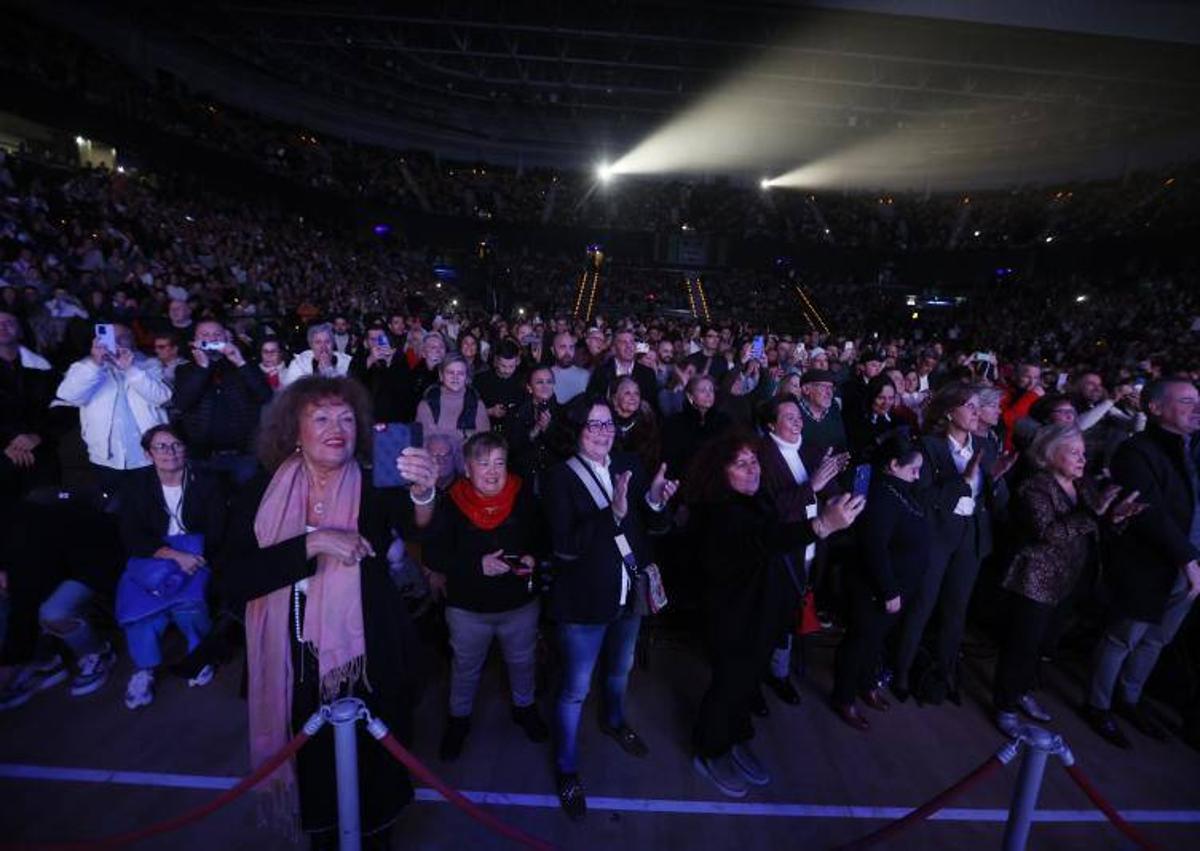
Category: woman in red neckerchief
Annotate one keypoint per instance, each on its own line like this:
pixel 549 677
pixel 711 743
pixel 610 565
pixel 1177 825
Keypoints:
pixel 485 540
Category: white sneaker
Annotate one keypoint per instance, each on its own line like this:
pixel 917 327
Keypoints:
pixel 1009 723
pixel 203 677
pixel 723 774
pixel 1032 708
pixel 140 691
pixel 749 764
pixel 94 669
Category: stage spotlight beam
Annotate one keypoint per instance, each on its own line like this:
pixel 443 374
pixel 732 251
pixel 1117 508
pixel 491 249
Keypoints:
pixel 604 172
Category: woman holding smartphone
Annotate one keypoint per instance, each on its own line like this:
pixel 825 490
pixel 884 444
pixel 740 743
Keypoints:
pixel 485 539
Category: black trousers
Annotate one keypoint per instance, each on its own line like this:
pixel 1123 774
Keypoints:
pixel 1030 624
pixel 724 718
pixel 857 655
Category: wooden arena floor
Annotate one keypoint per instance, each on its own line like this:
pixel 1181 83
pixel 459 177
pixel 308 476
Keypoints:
pixel 819 765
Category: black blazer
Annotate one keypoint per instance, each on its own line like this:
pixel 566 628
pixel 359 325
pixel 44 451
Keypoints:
pixel 603 376
pixel 941 486
pixel 393 391
pixel 1145 561
pixel 587 563
pixel 143 512
pixel 893 539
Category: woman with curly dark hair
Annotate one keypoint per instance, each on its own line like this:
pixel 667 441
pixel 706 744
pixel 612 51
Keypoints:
pixel 306 553
pixel 750 593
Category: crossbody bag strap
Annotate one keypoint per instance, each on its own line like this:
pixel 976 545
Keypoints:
pixel 590 481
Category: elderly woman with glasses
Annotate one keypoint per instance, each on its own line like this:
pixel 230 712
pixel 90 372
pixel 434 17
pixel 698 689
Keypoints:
pixel 162 507
pixel 321 358
pixel 601 507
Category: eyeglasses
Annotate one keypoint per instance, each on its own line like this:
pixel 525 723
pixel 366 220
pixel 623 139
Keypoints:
pixel 164 448
pixel 600 426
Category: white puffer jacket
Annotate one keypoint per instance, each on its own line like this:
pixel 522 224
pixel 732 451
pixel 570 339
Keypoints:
pixel 302 365
pixel 93 389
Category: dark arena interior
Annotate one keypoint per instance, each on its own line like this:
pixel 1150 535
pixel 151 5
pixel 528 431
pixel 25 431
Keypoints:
pixel 720 425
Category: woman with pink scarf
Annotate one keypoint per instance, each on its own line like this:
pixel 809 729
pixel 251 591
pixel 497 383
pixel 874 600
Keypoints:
pixel 307 553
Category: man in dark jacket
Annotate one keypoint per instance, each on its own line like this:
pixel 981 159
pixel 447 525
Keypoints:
pixel 28 457
pixel 218 398
pixel 624 362
pixel 386 375
pixel 502 388
pixel 1153 565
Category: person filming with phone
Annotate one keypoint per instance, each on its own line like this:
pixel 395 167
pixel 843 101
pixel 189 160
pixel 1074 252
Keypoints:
pixel 120 393
pixel 486 540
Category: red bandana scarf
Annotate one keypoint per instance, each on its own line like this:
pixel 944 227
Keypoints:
pixel 485 512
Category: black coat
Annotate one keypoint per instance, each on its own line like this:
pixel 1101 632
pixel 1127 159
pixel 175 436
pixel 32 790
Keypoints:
pixel 531 457
pixel 587 563
pixel 1145 561
pixel 604 375
pixel 893 539
pixel 455 547
pixel 686 432
pixel 143 512
pixel 391 387
pixel 218 406
pixel 393 657
pixel 749 597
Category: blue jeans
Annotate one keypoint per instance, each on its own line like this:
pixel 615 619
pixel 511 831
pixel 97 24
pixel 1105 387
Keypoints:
pixel 144 636
pixel 581 644
pixel 63 615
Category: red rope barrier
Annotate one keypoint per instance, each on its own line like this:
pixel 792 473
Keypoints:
pixel 1110 812
pixel 927 809
pixel 194 815
pixel 455 797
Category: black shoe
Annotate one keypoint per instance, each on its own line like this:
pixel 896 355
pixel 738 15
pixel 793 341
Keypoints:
pixel 1105 725
pixel 758 704
pixel 453 738
pixel 570 795
pixel 527 719
pixel 629 741
pixel 784 690
pixel 1144 722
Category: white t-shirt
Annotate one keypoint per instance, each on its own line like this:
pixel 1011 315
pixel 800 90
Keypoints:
pixel 173 497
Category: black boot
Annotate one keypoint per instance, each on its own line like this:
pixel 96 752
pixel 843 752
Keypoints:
pixel 454 737
pixel 528 719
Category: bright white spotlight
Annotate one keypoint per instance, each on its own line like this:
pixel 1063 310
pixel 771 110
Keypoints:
pixel 79 140
pixel 604 172
pixel 765 183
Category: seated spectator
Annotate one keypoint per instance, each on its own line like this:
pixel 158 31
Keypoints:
pixel 486 540
pixel 160 507
pixel 218 401
pixel 893 542
pixel 119 395
pixel 1059 511
pixel 750 596
pixel 52 582
pixel 319 359
pixel 452 407
pixel 344 339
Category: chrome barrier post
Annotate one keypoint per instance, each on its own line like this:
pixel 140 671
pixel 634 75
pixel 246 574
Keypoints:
pixel 1039 746
pixel 344 714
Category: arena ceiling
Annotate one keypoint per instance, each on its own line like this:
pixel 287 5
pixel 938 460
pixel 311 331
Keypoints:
pixel 1047 88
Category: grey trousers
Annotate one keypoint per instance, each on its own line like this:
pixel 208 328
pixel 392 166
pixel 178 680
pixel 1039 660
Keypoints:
pixel 1128 650
pixel 471 636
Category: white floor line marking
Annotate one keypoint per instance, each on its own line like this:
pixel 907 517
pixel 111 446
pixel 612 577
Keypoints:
pixel 17 771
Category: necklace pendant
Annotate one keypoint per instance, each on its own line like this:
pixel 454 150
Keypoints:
pixel 319 508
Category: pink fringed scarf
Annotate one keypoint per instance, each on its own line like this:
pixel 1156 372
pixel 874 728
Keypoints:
pixel 332 629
